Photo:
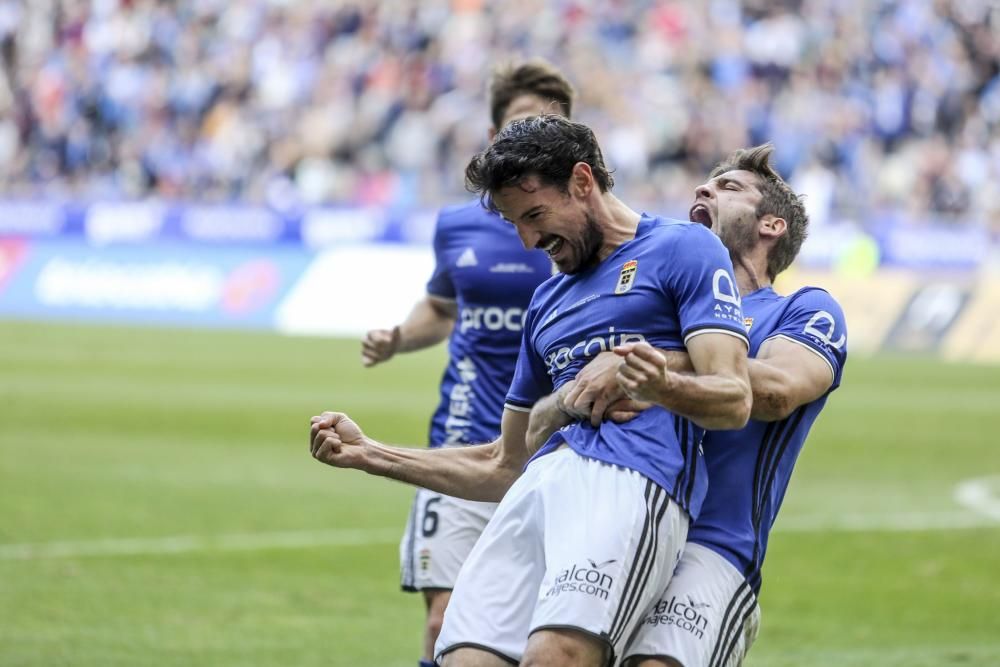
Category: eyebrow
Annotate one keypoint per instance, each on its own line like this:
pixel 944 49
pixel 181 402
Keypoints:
pixel 722 180
pixel 534 209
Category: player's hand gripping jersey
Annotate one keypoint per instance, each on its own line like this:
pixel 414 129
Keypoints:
pixel 673 281
pixel 481 264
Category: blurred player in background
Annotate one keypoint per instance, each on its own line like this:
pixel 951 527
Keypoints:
pixel 483 280
pixel 588 536
pixel 708 616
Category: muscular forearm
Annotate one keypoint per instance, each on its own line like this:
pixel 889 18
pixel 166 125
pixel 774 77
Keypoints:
pixel 479 472
pixel 771 401
pixel 714 402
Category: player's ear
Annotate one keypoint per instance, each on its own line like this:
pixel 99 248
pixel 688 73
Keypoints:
pixel 773 227
pixel 492 134
pixel 581 180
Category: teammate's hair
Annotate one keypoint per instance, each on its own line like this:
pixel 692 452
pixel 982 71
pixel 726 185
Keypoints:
pixel 777 198
pixel 533 77
pixel 547 146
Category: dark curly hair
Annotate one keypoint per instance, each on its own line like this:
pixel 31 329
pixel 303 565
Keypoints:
pixel 777 198
pixel 547 146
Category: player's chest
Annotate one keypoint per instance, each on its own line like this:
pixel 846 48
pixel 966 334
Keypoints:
pixel 612 307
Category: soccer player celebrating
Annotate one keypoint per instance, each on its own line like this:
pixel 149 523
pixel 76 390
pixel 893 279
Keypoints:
pixel 482 282
pixel 708 615
pixel 588 532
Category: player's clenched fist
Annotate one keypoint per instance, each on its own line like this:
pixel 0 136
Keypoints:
pixel 643 373
pixel 336 440
pixel 379 345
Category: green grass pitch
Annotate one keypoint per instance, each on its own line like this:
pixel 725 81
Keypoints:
pixel 158 506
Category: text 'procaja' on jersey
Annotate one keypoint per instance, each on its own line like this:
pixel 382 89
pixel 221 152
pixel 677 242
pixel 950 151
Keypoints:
pixel 749 469
pixel 673 281
pixel 480 264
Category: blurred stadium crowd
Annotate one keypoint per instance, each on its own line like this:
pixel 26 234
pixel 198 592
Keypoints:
pixel 876 106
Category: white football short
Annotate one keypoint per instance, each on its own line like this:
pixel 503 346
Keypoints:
pixel 440 533
pixel 708 615
pixel 575 544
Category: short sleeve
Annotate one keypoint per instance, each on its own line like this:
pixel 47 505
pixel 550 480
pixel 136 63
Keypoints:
pixel 701 280
pixel 441 284
pixel 531 379
pixel 815 320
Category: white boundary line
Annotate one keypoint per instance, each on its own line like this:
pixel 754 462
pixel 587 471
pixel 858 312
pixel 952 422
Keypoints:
pixel 977 495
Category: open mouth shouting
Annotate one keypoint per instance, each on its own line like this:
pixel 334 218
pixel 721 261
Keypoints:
pixel 699 213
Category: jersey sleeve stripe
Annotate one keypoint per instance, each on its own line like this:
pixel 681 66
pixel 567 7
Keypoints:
pixel 833 372
pixel 729 332
pixel 516 408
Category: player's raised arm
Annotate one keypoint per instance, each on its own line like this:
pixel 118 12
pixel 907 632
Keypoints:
pixel 480 472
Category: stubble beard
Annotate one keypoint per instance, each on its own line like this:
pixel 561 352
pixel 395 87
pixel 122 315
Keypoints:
pixel 740 237
pixel 587 246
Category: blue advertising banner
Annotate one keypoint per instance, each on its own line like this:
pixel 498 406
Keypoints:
pixel 167 283
pixel 106 223
pixel 888 240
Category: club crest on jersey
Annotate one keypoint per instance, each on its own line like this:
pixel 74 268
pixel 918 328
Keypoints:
pixel 627 277
pixel 747 323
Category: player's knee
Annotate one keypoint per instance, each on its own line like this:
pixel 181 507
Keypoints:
pixel 472 657
pixel 565 648
pixel 563 657
pixel 652 662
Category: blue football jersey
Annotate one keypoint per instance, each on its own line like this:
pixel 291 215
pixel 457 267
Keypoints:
pixel 481 264
pixel 749 469
pixel 673 281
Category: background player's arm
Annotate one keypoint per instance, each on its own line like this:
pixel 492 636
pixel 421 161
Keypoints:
pixel 480 472
pixel 784 376
pixel 716 397
pixel 430 321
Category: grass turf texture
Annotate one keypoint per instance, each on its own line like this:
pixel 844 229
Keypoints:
pixel 111 433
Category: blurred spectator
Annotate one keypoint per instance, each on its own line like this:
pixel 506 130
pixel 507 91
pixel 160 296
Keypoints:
pixel 873 104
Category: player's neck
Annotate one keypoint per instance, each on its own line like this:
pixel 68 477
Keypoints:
pixel 618 222
pixel 751 271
